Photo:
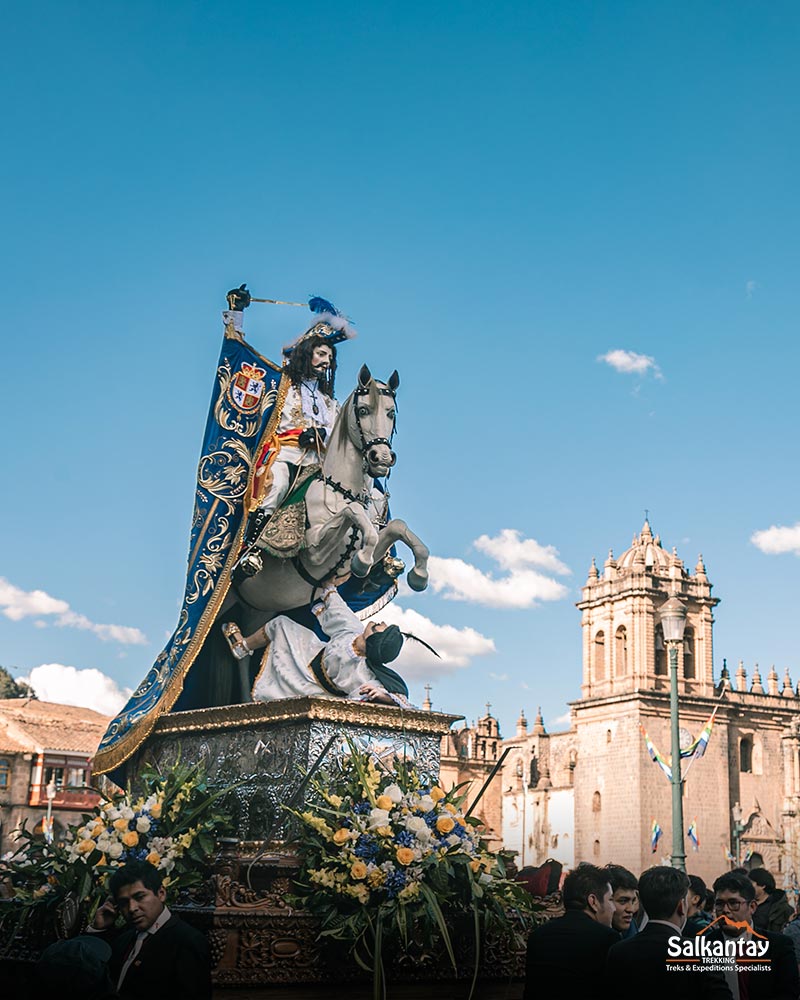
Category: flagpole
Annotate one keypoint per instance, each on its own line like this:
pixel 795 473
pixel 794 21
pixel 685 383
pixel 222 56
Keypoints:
pixel 673 623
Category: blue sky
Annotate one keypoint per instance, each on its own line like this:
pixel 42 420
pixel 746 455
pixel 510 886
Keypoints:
pixel 499 196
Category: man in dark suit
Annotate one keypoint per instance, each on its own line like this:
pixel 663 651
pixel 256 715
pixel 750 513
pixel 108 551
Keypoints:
pixel 566 956
pixel 157 954
pixel 777 977
pixel 645 959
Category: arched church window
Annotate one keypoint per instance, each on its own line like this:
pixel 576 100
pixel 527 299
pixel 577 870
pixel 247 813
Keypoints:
pixel 596 802
pixel 596 849
pixel 519 769
pixel 599 657
pixel 608 735
pixel 621 651
pixel 688 654
pixel 661 653
pixel 746 754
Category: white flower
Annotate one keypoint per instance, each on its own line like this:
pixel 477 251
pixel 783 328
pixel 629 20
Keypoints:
pixel 126 812
pixel 378 817
pixel 103 844
pixel 393 792
pixel 453 840
pixel 418 826
pixel 115 850
pixel 426 803
pixel 142 824
pixel 84 833
pixel 113 813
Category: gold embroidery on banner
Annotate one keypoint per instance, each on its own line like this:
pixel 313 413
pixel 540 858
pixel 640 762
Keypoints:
pixel 111 758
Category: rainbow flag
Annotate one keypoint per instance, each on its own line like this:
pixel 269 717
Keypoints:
pixel 691 833
pixel 655 836
pixel 655 756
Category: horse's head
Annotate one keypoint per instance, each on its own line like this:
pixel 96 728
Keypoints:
pixel 370 416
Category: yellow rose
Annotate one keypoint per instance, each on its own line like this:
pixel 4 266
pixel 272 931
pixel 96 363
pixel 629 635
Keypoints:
pixel 97 829
pixel 359 869
pixel 121 825
pixel 86 846
pixel 155 811
pixel 436 794
pixel 404 855
pixel 383 802
pixel 444 824
pixel 153 857
pixel 341 836
pixel 450 807
pixel 102 861
pixel 130 839
pixel 460 820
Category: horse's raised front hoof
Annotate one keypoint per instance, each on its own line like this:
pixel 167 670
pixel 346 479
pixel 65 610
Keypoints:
pixel 360 566
pixel 417 581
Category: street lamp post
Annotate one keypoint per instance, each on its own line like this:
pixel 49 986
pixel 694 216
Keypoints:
pixel 50 792
pixel 673 623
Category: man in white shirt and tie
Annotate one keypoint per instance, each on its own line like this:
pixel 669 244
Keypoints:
pixel 157 954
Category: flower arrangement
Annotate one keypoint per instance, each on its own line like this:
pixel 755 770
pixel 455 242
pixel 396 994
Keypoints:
pixel 389 862
pixel 172 821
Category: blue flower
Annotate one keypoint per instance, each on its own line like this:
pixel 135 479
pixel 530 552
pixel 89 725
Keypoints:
pixel 395 881
pixel 405 838
pixel 362 807
pixel 366 847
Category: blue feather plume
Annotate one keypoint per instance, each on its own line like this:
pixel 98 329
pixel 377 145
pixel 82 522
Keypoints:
pixel 319 305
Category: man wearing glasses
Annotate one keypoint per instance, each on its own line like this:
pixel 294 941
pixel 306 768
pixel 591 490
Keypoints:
pixel 734 906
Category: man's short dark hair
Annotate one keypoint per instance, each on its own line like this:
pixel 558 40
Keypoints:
pixel 763 878
pixel 135 871
pixel 733 882
pixel 620 878
pixel 661 889
pixel 581 883
pixel 697 887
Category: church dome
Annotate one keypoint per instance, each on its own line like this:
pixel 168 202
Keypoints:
pixel 646 552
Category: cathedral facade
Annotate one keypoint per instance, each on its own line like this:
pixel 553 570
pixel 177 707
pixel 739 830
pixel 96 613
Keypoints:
pixel 593 793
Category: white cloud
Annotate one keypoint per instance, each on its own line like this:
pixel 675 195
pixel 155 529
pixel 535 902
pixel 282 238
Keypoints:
pixel 17 604
pixel 455 646
pixel 498 677
pixel 457 580
pixel 778 539
pixel 511 551
pixel 560 720
pixel 749 288
pixel 70 686
pixel 631 363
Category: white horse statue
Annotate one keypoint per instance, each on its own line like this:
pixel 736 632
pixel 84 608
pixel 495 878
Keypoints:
pixel 348 530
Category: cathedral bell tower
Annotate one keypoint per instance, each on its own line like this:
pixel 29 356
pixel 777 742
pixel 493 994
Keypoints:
pixel 623 646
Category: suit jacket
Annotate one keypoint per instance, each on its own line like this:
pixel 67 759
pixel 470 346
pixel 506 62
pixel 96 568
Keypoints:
pixel 782 982
pixel 643 960
pixel 174 962
pixel 566 957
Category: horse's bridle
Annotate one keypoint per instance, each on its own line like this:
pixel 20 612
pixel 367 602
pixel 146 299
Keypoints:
pixel 366 445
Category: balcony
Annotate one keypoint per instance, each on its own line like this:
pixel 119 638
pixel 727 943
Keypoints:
pixel 65 798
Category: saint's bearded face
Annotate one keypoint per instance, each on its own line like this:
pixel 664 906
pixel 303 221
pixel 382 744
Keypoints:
pixel 321 358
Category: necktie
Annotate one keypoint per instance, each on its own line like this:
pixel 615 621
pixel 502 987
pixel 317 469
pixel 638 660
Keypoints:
pixel 134 951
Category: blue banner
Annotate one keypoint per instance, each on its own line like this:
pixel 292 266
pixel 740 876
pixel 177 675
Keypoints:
pixel 246 404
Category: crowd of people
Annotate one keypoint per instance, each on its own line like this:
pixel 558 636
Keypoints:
pixel 666 935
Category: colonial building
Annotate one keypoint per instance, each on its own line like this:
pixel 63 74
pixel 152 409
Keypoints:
pixel 592 793
pixel 45 760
